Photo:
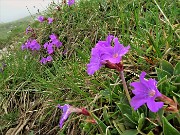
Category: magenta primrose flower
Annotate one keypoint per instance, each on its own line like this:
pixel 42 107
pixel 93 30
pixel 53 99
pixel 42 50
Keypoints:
pixel 31 44
pixel 146 91
pixel 41 18
pixel 45 60
pixel 50 20
pixel 29 30
pixel 54 42
pixel 67 110
pixel 71 2
pixel 103 52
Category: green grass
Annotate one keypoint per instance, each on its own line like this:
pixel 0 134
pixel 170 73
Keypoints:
pixel 30 91
pixel 12 30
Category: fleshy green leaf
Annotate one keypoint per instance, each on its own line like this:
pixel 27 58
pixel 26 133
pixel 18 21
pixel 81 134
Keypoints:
pixel 102 125
pixel 177 69
pixel 150 133
pixel 168 129
pixel 166 66
pixel 162 73
pixel 130 132
pixel 141 121
pixel 177 72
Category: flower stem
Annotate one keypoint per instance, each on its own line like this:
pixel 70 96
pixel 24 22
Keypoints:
pixel 125 85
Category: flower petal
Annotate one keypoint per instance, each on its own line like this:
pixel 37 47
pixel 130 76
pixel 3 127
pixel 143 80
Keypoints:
pixel 154 106
pixel 137 101
pixel 139 88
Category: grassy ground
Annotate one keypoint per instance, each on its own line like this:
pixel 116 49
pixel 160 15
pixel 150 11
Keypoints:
pixel 12 30
pixel 30 91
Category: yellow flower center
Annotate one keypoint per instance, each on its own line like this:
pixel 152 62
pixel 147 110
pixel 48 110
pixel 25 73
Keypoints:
pixel 152 93
pixel 115 55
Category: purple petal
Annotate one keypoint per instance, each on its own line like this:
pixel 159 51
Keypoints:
pixel 50 20
pixel 57 43
pixel 50 49
pixel 43 61
pixel 93 67
pixel 66 112
pixel 49 58
pixel 137 101
pixel 53 37
pixel 139 88
pixel 41 18
pixel 154 106
pixel 46 45
pixel 71 2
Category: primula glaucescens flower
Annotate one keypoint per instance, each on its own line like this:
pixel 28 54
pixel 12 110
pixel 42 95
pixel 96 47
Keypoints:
pixel 95 61
pixel 45 60
pixel 54 41
pixel 114 54
pixel 71 2
pixel 145 91
pixel 31 44
pixel 29 30
pixel 41 18
pixel 50 20
pixel 103 52
pixel 49 47
pixel 67 110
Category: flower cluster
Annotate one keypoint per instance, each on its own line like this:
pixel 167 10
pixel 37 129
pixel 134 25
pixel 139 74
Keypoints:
pixel 31 44
pixel 104 53
pixel 54 42
pixel 68 109
pixel 49 46
pixel 42 19
pixel 146 91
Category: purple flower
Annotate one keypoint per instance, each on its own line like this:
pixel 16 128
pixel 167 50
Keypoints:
pixel 26 45
pixel 106 43
pixel 50 48
pixel 104 52
pixel 49 58
pixel 29 29
pixel 95 61
pixel 50 20
pixel 41 18
pixel 146 91
pixel 31 44
pixel 55 40
pixel 114 54
pixel 45 60
pixel 34 45
pixel 67 110
pixel 53 37
pixel 71 2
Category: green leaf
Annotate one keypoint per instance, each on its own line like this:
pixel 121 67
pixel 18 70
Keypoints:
pixel 141 121
pixel 166 66
pixel 125 109
pixel 130 132
pixel 103 126
pixel 150 133
pixel 177 69
pixel 168 129
pixel 162 73
pixel 177 72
